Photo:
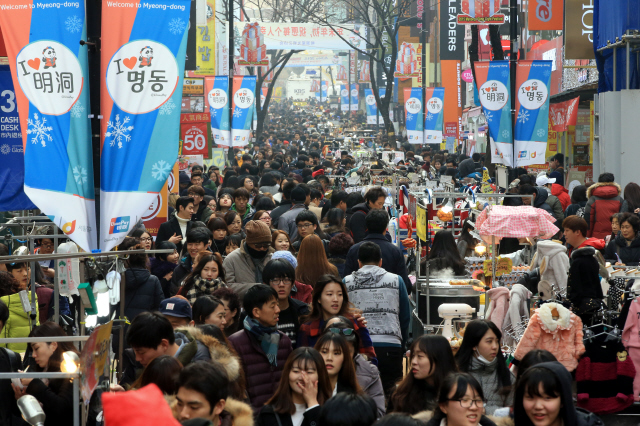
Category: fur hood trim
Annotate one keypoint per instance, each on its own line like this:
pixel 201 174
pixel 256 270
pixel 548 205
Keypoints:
pixel 599 184
pixel 551 326
pixel 425 416
pixel 241 412
pixel 219 352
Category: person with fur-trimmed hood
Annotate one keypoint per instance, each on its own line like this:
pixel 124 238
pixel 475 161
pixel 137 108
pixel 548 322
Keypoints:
pixel 604 201
pixel 203 398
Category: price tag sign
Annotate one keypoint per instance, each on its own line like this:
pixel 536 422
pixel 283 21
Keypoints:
pixel 431 184
pixel 354 180
pixel 504 266
pixel 421 223
pixel 445 179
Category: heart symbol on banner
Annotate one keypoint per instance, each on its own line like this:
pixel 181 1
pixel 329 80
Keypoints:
pixel 130 62
pixel 527 88
pixel 34 63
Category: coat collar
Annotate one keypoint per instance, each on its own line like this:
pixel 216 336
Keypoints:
pixel 548 324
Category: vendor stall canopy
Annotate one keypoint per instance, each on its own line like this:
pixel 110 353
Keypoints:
pixel 612 19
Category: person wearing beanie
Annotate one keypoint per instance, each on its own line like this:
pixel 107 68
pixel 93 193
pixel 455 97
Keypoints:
pixel 544 396
pixel 300 199
pixel 243 267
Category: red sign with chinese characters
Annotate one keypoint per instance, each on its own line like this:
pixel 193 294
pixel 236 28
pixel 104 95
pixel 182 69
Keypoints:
pixel 194 139
pixel 564 114
pixel 195 118
pixel 451 129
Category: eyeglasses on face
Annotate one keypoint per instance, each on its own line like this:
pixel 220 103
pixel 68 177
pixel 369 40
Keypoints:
pixel 343 331
pixel 304 225
pixel 146 239
pixel 468 402
pixel 276 281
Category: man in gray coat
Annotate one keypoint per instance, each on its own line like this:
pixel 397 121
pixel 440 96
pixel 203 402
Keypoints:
pixel 287 222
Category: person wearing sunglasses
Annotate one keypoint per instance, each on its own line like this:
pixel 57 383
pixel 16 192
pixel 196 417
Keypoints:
pixel 460 402
pixel 244 266
pixel 280 275
pixel 367 374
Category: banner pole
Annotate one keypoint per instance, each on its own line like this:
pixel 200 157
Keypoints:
pixel 423 41
pixel 231 60
pixel 94 31
pixel 513 58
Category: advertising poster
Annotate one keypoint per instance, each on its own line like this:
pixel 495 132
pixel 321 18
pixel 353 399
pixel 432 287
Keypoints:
pixel 206 41
pixel 434 117
pixel 51 92
pixel 94 358
pixel 194 139
pixel 451 34
pixel 546 15
pixel 493 83
pixel 372 107
pixel 413 114
pixel 408 62
pixel 217 89
pixel 532 109
pixel 344 98
pixel 12 196
pixel 354 97
pixel 564 114
pixel 242 104
pixel 480 12
pixel 142 59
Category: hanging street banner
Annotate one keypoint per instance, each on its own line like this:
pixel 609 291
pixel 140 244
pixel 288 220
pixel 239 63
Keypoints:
pixel 492 79
pixel 206 40
pixel 322 95
pixel 253 51
pixel 312 60
pixel 287 35
pixel 12 196
pixel 142 59
pixel 344 98
pixel 564 114
pixel 481 12
pixel 372 107
pixel 407 63
pixel 354 97
pixel 244 87
pixel 532 109
pixel 434 116
pixel 217 89
pixel 50 79
pixel 413 114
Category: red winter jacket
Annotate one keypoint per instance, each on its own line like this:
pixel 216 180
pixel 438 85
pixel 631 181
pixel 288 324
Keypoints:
pixel 562 194
pixel 604 201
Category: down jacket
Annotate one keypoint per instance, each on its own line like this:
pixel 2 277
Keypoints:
pixel 369 380
pixel 629 252
pixel 143 292
pixel 499 297
pixel 562 337
pixel 357 222
pixel 18 324
pixel 262 378
pixel 239 270
pixel 604 200
pixel 556 262
pixel 562 194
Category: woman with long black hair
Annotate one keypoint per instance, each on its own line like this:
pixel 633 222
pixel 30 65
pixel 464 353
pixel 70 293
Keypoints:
pixel 444 255
pixel 206 277
pixel 339 363
pixel 480 355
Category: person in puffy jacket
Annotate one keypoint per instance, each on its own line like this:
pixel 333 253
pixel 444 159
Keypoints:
pixel 625 249
pixel 373 200
pixel 603 201
pixel 562 194
pixel 143 291
pixel 531 398
pixel 19 322
pixel 163 265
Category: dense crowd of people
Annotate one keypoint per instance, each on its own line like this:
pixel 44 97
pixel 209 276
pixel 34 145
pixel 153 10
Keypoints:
pixel 283 302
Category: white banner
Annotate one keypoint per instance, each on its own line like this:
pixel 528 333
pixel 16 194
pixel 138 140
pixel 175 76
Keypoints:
pixel 286 35
pixel 313 60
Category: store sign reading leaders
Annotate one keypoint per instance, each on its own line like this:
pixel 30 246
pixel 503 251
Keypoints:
pixel 451 34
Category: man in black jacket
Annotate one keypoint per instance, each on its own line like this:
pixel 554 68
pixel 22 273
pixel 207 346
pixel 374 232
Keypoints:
pixel 198 239
pixel 176 228
pixel 286 203
pixel 392 257
pixel 373 200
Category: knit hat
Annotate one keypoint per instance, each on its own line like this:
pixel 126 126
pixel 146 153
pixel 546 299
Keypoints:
pixel 298 195
pixel 284 254
pixel 142 407
pixel 257 232
pixel 317 173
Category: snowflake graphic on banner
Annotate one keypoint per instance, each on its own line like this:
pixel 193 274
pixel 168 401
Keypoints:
pixel 488 115
pixel 523 116
pixel 176 26
pixel 160 170
pixel 5 149
pixel 506 134
pixel 237 113
pixel 430 117
pixel 118 131
pixel 73 24
pixel 213 111
pixel 168 108
pixel 541 133
pixel 409 117
pixel 505 74
pixel 544 107
pixel 80 174
pixel 547 73
pixel 77 110
pixel 39 129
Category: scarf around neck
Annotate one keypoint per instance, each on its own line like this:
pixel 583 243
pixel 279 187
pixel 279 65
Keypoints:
pixel 268 337
pixel 202 287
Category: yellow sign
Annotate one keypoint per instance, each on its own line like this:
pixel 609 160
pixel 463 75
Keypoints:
pixel 485 175
pixel 504 266
pixel 421 222
pixel 486 189
pixel 93 359
pixel 206 43
pixel 217 158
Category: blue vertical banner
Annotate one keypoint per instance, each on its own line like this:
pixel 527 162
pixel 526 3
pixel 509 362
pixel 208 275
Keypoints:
pixel 244 93
pixel 413 114
pixel 532 109
pixel 12 196
pixel 434 116
pixel 372 107
pixel 217 91
pixel 51 87
pixel 344 98
pixel 142 59
pixel 494 91
pixel 354 97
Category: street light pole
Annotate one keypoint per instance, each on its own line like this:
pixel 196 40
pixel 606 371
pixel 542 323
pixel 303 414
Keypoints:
pixel 231 50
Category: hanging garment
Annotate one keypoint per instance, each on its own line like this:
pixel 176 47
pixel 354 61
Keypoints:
pixel 604 378
pixel 553 261
pixel 631 340
pixel 499 305
pixel 561 336
pixel 518 310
